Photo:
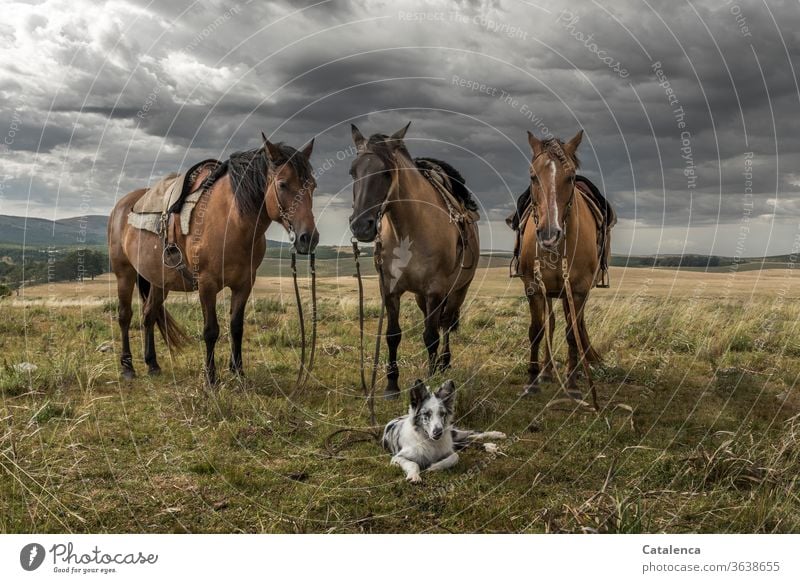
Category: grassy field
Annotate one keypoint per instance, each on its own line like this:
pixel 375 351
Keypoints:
pixel 699 431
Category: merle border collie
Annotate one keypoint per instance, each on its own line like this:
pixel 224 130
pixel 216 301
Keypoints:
pixel 425 439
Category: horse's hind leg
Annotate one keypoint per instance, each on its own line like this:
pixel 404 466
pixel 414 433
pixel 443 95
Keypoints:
pixel 152 309
pixel 450 321
pixel 393 336
pixel 591 354
pixel 126 280
pixel 548 370
pixel 572 367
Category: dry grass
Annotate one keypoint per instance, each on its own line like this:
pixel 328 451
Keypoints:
pixel 700 431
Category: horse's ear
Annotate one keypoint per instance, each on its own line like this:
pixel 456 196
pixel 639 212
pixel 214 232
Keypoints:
pixel 419 392
pixel 308 149
pixel 400 134
pixel 273 151
pixel 447 393
pixel 536 144
pixel 572 146
pixel 358 138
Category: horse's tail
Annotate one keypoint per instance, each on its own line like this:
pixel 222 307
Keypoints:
pixel 172 332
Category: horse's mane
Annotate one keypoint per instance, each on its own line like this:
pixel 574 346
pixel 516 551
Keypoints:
pixel 378 144
pixel 460 190
pixel 249 171
pixel 556 150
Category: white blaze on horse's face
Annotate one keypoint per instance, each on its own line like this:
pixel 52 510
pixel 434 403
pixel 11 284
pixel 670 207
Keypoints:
pixel 552 182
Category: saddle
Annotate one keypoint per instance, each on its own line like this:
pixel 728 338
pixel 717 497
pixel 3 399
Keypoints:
pixel 166 210
pixel 442 182
pixel 459 209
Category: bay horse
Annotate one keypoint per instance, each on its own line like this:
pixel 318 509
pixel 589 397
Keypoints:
pixel 225 245
pixel 558 258
pixel 419 247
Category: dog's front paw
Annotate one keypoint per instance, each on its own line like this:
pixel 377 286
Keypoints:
pixel 414 478
pixel 495 435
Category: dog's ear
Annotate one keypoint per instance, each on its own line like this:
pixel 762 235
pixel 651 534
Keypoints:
pixel 419 392
pixel 447 394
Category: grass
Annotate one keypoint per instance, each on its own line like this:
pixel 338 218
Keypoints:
pixel 700 430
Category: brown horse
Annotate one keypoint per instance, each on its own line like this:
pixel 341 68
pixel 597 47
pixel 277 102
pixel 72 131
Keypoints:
pixel 224 247
pixel 419 247
pixel 558 254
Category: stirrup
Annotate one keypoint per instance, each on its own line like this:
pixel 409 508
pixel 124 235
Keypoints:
pixel 172 256
pixel 513 267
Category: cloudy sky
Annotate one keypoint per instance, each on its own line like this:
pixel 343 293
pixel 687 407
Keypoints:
pixel 690 108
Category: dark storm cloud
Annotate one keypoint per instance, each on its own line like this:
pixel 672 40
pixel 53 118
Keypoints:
pixel 110 96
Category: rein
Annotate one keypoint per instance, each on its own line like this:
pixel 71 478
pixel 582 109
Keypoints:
pixel 373 433
pixel 304 372
pixel 369 392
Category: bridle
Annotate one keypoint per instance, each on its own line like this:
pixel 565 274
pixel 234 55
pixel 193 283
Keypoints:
pixel 538 281
pixel 285 219
pixel 567 207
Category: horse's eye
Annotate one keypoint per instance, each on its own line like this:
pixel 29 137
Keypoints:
pixel 282 184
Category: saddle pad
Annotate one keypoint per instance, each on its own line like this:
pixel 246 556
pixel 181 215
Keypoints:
pixel 152 221
pixel 161 195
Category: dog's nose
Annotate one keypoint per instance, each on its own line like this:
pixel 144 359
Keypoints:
pixel 437 433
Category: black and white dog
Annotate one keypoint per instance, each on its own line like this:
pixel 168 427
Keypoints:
pixel 425 439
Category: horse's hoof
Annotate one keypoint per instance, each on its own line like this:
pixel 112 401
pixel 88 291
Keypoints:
pixel 530 390
pixel 546 377
pixel 575 394
pixel 154 371
pixel 391 394
pixel 128 374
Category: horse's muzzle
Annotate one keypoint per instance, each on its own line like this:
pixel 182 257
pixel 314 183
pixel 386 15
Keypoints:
pixel 306 242
pixel 549 238
pixel 364 229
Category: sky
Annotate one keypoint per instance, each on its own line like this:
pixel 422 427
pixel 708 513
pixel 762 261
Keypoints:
pixel 690 108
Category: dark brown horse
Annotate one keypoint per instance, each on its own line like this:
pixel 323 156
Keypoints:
pixel 419 247
pixel 224 247
pixel 559 254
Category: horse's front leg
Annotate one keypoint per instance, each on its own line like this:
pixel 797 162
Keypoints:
pixel 434 304
pixel 393 337
pixel 208 301
pixel 126 279
pixel 536 304
pixel 239 297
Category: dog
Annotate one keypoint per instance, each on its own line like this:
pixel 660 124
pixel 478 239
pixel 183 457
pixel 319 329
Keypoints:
pixel 425 439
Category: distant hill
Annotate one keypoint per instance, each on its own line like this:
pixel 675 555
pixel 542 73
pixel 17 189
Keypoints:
pixel 32 232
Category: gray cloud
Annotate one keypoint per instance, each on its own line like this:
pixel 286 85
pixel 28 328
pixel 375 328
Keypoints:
pixel 104 99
